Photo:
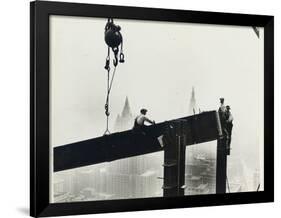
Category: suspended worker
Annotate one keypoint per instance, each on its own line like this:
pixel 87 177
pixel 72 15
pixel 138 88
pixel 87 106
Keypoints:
pixel 141 119
pixel 229 124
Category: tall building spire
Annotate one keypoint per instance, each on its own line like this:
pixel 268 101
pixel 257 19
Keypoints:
pixel 125 120
pixel 126 109
pixel 192 103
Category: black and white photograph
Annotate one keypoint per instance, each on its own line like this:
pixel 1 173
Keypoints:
pixel 142 109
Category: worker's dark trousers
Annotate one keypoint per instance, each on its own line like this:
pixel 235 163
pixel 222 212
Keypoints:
pixel 225 134
pixel 139 130
pixel 229 130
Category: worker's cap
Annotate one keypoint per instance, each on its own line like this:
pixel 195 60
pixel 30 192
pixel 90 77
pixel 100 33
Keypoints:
pixel 228 107
pixel 143 110
pixel 221 99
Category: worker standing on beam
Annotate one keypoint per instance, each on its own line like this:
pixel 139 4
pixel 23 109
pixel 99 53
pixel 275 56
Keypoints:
pixel 222 108
pixel 229 124
pixel 141 119
pixel 222 114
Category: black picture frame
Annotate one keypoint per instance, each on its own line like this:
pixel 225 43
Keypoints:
pixel 39 108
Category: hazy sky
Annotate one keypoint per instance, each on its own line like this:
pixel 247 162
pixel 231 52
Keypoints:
pixel 162 62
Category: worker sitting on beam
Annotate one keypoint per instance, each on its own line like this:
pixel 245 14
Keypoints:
pixel 141 119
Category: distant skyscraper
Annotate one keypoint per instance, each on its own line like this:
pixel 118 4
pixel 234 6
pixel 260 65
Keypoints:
pixel 125 120
pixel 126 109
pixel 192 104
pixel 190 152
pixel 129 177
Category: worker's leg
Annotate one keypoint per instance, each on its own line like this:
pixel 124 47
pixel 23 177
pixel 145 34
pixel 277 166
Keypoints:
pixel 139 130
pixel 226 136
pixel 230 133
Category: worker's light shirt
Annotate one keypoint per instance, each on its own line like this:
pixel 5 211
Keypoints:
pixel 222 108
pixel 230 118
pixel 141 119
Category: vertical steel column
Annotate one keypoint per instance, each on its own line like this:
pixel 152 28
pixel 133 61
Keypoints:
pixel 181 165
pixel 174 161
pixel 221 165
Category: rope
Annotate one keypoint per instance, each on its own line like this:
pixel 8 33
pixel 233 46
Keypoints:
pixel 111 80
pixel 109 87
pixel 106 106
pixel 107 130
pixel 115 48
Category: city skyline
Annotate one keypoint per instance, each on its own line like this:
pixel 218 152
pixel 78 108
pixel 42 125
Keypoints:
pixel 158 74
pixel 140 176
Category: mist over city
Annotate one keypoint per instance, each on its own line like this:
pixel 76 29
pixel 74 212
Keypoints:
pixel 173 70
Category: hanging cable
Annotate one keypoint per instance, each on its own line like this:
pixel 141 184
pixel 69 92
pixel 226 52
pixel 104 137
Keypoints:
pixel 113 39
pixel 109 86
pixel 111 82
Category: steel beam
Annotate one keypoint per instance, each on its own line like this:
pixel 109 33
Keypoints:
pixel 201 128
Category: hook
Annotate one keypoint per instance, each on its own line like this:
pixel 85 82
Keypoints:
pixel 107 62
pixel 115 61
pixel 115 51
pixel 122 58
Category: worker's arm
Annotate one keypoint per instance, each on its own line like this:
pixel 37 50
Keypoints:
pixel 148 120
